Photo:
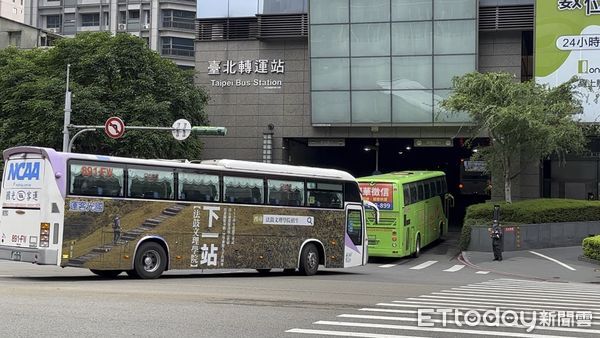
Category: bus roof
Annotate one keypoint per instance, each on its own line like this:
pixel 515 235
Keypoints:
pixel 222 165
pixel 402 176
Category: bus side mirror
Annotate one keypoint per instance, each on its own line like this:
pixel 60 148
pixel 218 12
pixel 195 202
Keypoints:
pixel 371 205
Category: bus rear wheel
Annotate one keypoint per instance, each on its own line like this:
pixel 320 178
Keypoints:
pixel 417 252
pixel 150 260
pixel 106 273
pixel 309 260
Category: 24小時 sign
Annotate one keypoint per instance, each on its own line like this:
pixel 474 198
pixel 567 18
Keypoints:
pixel 567 44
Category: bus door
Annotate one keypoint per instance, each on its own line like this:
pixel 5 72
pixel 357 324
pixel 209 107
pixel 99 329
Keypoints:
pixel 355 251
pixel 28 233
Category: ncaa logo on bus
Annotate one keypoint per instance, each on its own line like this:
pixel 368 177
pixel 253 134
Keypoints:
pixel 21 171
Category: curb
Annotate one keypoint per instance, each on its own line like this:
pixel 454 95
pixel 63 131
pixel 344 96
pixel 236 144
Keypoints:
pixel 462 257
pixel 588 260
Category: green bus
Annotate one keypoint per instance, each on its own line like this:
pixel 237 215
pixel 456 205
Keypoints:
pixel 413 209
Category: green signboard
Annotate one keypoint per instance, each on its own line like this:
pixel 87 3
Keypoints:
pixel 567 44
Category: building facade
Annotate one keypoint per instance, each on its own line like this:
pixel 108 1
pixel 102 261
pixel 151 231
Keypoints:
pixel 22 36
pixel 13 10
pixel 354 84
pixel 166 25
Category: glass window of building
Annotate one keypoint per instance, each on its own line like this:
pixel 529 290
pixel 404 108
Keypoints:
pixel 370 10
pixel 371 106
pixel 282 6
pixel 412 72
pixel 330 74
pixel 443 116
pixel 455 37
pixel 412 106
pixel 411 38
pixel 370 39
pixel 455 9
pixel 90 19
pixel 329 11
pixel 412 10
pixel 371 73
pixel 177 46
pixel 449 66
pixel 330 107
pixel 329 40
pixel 53 21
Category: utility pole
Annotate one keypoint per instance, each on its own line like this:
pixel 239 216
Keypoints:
pixel 67 121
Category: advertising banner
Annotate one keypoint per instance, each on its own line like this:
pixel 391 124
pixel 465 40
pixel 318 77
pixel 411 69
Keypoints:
pixel 567 44
pixel 382 194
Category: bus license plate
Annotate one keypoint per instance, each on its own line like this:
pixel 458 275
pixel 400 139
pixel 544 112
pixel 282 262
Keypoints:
pixel 15 255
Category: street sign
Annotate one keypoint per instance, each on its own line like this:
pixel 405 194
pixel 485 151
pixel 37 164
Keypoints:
pixel 114 127
pixel 182 128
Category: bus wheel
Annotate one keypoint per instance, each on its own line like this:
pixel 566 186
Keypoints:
pixel 150 260
pixel 106 273
pixel 417 247
pixel 263 271
pixel 309 260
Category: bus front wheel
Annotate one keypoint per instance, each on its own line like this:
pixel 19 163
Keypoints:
pixel 150 260
pixel 309 260
pixel 417 247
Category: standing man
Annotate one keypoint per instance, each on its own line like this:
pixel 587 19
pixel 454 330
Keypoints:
pixel 497 234
pixel 117 229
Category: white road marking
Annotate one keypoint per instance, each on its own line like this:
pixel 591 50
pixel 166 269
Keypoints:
pixel 482 272
pixel 468 295
pixel 436 329
pixel 455 268
pixel 553 260
pixel 387 265
pixel 347 333
pixel 423 265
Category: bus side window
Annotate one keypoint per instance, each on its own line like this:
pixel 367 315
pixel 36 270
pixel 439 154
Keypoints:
pixel 290 193
pixel 93 179
pixel 151 183
pixel 427 194
pixel 246 190
pixel 438 186
pixel 420 192
pixel 325 195
pixel 406 195
pixel 198 187
pixel 413 193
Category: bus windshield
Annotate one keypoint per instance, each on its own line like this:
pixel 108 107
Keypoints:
pixel 143 217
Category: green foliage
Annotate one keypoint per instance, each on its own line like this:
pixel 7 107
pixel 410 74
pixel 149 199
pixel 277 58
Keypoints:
pixel 521 118
pixel 534 211
pixel 591 247
pixel 109 76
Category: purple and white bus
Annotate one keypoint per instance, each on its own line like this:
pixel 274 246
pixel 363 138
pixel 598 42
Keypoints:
pixel 143 217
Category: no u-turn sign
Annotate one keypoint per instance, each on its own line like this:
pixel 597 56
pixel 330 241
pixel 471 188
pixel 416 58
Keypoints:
pixel 114 127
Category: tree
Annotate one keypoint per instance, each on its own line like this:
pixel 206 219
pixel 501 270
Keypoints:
pixel 109 76
pixel 522 119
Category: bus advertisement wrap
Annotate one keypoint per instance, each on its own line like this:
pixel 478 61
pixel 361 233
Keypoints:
pixel 379 193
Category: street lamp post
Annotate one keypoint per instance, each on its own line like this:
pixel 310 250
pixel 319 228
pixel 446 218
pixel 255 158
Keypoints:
pixel 376 148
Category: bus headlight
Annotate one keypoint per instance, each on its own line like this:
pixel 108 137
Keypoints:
pixel 44 234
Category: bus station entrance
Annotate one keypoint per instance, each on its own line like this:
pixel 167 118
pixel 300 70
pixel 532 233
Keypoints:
pixel 359 157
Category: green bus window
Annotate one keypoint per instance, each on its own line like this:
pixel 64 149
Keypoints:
pixel 149 183
pixel 420 192
pixel 96 179
pixel 427 194
pixel 406 195
pixel 432 188
pixel 438 186
pixel 289 193
pixel 354 227
pixel 444 186
pixel 198 187
pixel 243 190
pixel 413 193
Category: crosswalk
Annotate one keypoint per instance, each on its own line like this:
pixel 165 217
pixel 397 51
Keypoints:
pixel 432 264
pixel 495 308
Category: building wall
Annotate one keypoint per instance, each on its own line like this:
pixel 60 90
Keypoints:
pixel 13 10
pixel 149 25
pixel 16 34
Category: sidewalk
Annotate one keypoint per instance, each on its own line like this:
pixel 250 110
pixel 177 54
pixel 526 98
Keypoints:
pixel 553 264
